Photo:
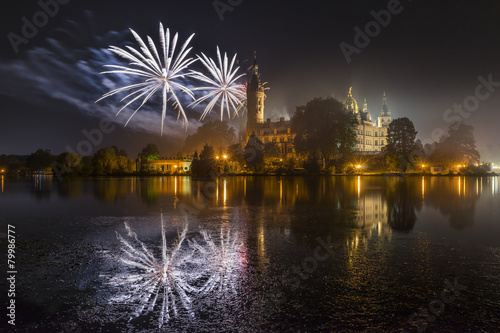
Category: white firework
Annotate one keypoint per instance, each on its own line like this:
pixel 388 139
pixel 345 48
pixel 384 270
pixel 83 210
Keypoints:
pixel 161 70
pixel 153 284
pixel 223 87
pixel 223 261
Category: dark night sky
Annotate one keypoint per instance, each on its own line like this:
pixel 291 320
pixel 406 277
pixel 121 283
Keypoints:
pixel 427 59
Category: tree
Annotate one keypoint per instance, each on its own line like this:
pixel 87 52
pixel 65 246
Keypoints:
pixel 124 165
pixel 120 152
pixel 272 150
pixel 40 160
pixel 87 167
pixel 104 162
pixel 180 155
pixel 457 148
pixel 236 154
pixel 150 152
pixel 254 153
pixel 217 134
pixel 204 166
pixel 67 163
pixel 13 163
pixel 324 129
pixel 401 149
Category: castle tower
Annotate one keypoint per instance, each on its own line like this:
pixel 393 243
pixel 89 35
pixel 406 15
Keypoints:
pixel 350 103
pixel 255 102
pixel 385 114
pixel 366 114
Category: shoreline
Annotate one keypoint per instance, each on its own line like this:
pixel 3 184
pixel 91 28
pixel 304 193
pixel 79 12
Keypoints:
pixel 367 174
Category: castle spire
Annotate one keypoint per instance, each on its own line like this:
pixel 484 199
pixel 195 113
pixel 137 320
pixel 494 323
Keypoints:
pixel 255 81
pixel 385 112
pixel 255 64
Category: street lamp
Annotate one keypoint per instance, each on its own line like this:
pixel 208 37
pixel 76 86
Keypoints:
pixel 225 156
pixel 358 166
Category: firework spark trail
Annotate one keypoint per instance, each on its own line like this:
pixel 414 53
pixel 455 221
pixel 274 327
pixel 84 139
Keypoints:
pixel 223 85
pixel 158 75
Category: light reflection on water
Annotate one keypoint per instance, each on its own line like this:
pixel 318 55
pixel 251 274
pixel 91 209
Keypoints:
pixel 163 285
pixel 400 238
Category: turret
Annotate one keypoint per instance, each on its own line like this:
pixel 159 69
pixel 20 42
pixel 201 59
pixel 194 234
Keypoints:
pixel 255 101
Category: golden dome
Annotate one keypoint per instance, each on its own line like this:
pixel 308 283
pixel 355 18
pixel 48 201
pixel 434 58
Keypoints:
pixel 350 102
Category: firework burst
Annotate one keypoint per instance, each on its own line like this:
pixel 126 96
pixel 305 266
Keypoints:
pixel 223 87
pixel 161 70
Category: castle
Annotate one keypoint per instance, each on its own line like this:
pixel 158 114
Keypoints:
pixel 372 137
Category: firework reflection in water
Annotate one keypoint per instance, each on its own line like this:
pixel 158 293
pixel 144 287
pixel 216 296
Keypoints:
pixel 183 272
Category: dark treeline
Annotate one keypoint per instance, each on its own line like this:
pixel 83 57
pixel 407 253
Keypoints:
pixel 106 161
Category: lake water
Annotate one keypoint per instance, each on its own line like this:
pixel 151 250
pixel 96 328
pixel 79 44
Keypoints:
pixel 254 254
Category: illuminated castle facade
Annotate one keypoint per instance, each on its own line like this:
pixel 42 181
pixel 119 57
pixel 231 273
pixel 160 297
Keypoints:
pixel 372 136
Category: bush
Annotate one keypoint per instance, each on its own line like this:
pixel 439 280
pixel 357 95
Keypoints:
pixel 311 166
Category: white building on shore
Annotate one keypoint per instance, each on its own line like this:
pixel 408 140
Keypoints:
pixel 372 136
